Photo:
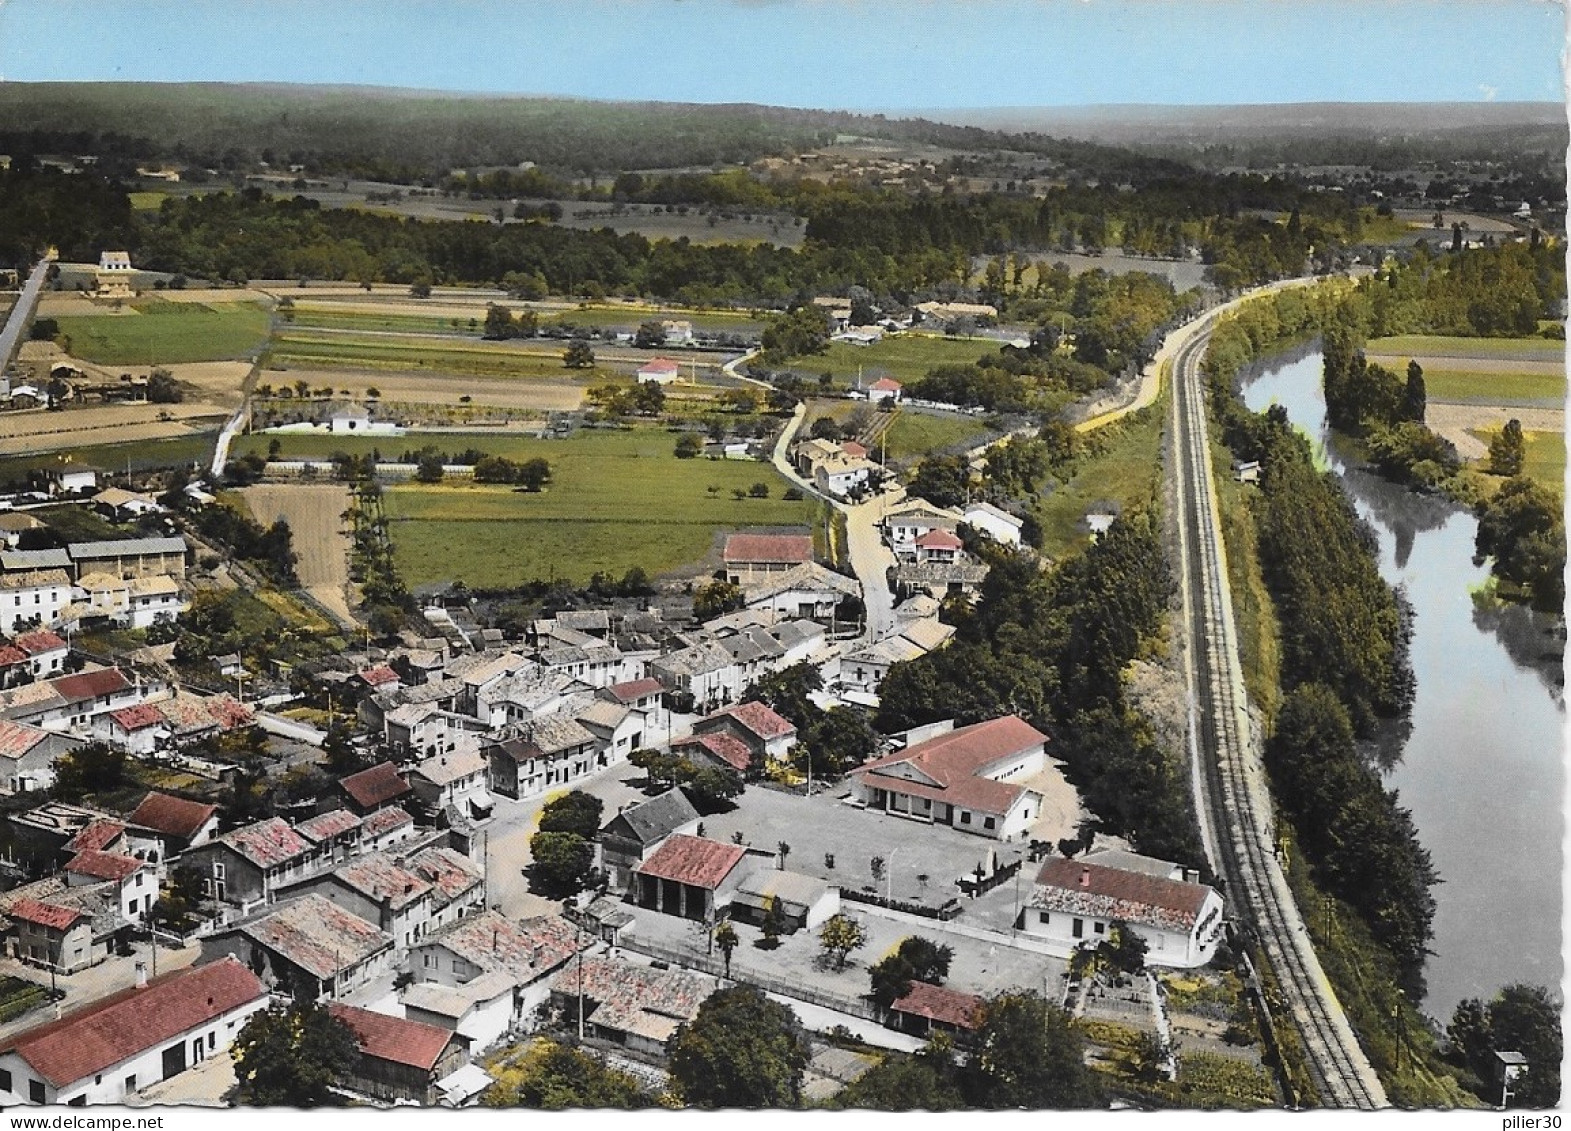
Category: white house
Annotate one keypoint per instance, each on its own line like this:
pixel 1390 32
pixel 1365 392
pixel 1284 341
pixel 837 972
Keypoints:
pixel 969 778
pixel 662 371
pixel 120 1044
pixel 839 475
pixel 999 525
pixel 35 597
pixel 884 389
pixel 809 591
pixel 1076 902
pixel 153 599
pixel 456 779
pixel 904 524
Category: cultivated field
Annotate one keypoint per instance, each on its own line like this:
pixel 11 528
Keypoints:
pixel 314 514
pixel 156 332
pixel 1435 346
pixel 617 500
pixel 1457 423
pixel 23 433
pixel 531 398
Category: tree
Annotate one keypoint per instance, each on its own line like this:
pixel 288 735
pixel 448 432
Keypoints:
pixel 836 741
pixel 916 959
pixel 182 895
pixel 838 937
pixel 91 768
pixel 651 335
pixel 758 491
pixel 1508 450
pixel 1523 529
pixel 717 598
pixel 499 324
pixel 291 1056
pixel 430 467
pixel 711 788
pixel 576 812
pixel 925 1081
pixel 727 940
pixel 162 388
pixel 1027 1056
pixel 941 480
pixel 824 428
pixel 1417 399
pixel 533 474
pixel 1521 1018
pixel 801 330
pixel 785 850
pixel 562 863
pixel 552 1076
pixel 786 692
pixel 578 355
pixel 1123 949
pixel 688 445
pixel 741 1050
pixel 774 922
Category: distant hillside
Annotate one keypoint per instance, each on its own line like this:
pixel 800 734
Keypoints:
pixel 405 135
pixel 1383 133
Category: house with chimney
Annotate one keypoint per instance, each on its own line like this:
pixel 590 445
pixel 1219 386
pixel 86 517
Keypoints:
pixel 245 867
pixel 308 946
pixel 628 838
pixel 1076 903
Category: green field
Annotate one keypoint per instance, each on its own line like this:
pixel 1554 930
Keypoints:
pixel 621 317
pixel 916 433
pixel 1545 461
pixel 905 357
pixel 1493 388
pixel 370 321
pixel 1433 345
pixel 165 333
pixel 449 355
pixel 147 201
pixel 1124 463
pixel 617 500
pixel 140 455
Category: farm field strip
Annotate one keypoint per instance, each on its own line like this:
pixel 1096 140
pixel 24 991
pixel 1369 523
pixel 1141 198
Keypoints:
pixel 1435 345
pixel 181 334
pixel 915 433
pixel 905 357
pixel 1493 387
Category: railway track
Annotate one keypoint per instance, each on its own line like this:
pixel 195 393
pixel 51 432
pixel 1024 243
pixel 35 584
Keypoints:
pixel 1232 794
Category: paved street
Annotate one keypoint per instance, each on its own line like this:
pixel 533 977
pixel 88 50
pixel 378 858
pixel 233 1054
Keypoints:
pixel 95 982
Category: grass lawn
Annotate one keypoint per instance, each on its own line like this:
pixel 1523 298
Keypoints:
pixel 916 433
pixel 141 455
pixel 617 500
pixel 631 317
pixel 162 333
pixel 1434 345
pixel 1545 462
pixel 147 201
pixel 1124 463
pixel 905 357
pixel 1493 388
pixel 307 317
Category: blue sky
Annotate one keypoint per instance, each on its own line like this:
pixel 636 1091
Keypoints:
pixel 852 54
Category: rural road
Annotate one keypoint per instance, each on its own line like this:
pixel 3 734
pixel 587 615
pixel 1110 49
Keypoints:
pixel 22 313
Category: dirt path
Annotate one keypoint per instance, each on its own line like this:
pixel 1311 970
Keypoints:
pixel 321 539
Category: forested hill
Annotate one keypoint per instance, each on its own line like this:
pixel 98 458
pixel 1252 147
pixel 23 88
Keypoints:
pixel 408 135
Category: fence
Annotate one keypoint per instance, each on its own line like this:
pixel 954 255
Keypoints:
pixel 943 914
pixel 715 965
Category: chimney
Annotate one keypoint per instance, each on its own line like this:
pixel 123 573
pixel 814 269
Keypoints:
pixel 1085 877
pixel 141 975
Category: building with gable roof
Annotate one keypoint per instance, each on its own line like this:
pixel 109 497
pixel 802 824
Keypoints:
pixel 809 591
pixel 961 778
pixel 747 555
pixel 27 756
pixel 925 1009
pixel 378 889
pixel 375 788
pixel 108 1051
pixel 178 823
pixel 999 525
pixel 33 597
pixel 246 866
pixel 308 946
pixel 765 733
pixel 547 753
pixel 397 1059
pixel 636 1007
pixel 458 779
pixel 1077 902
pixel 46 652
pixel 485 953
pixel 904 524
pixel 689 876
pixel 629 837
pixel 805 901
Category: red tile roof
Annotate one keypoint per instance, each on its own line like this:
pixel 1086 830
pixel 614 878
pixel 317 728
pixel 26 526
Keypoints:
pixel 635 689
pixel 936 1003
pixel 44 914
pixel 759 719
pixel 90 685
pixel 692 860
pixel 16 739
pixel 104 865
pixel 1112 893
pixel 267 843
pixel 394 1039
pixel 949 766
pixel 939 539
pixel 335 822
pixel 114 1029
pixel 767 548
pixel 96 835
pixel 660 365
pixel 385 821
pixel 10 657
pixel 376 786
pixel 35 643
pixel 379 675
pixel 727 748
pixel 172 816
pixel 135 718
pixel 885 385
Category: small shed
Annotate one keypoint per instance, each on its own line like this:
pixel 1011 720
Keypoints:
pixel 806 901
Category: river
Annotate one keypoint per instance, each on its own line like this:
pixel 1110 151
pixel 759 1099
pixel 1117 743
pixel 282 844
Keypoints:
pixel 1482 768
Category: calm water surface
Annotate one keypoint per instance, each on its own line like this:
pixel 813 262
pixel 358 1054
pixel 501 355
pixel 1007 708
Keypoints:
pixel 1482 769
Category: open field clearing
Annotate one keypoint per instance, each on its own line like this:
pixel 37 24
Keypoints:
pixel 915 433
pixel 1424 346
pixel 321 539
pixel 540 395
pixel 905 357
pixel 140 454
pixel 1457 423
pixel 616 500
pixel 1545 461
pixel 1486 387
pixel 148 201
pixel 1124 465
pixel 79 433
pixel 162 333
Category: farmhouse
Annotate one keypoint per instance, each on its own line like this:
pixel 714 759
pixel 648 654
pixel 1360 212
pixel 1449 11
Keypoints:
pixel 131 557
pixel 959 777
pixel 1079 901
pixel 27 756
pixel 505 965
pixel 999 525
pixel 904 524
pixel 246 866
pixel 177 823
pixel 114 274
pixel 661 371
pixel 113 1048
pixel 307 946
pixel 33 597
pixel 550 752
pixel 375 788
pixel 765 733
pixel 884 389
pixel 378 889
pixel 747 555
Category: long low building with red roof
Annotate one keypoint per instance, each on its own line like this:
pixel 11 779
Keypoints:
pixel 970 777
pixel 399 1059
pixel 1078 902
pixel 115 1047
pixel 689 876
